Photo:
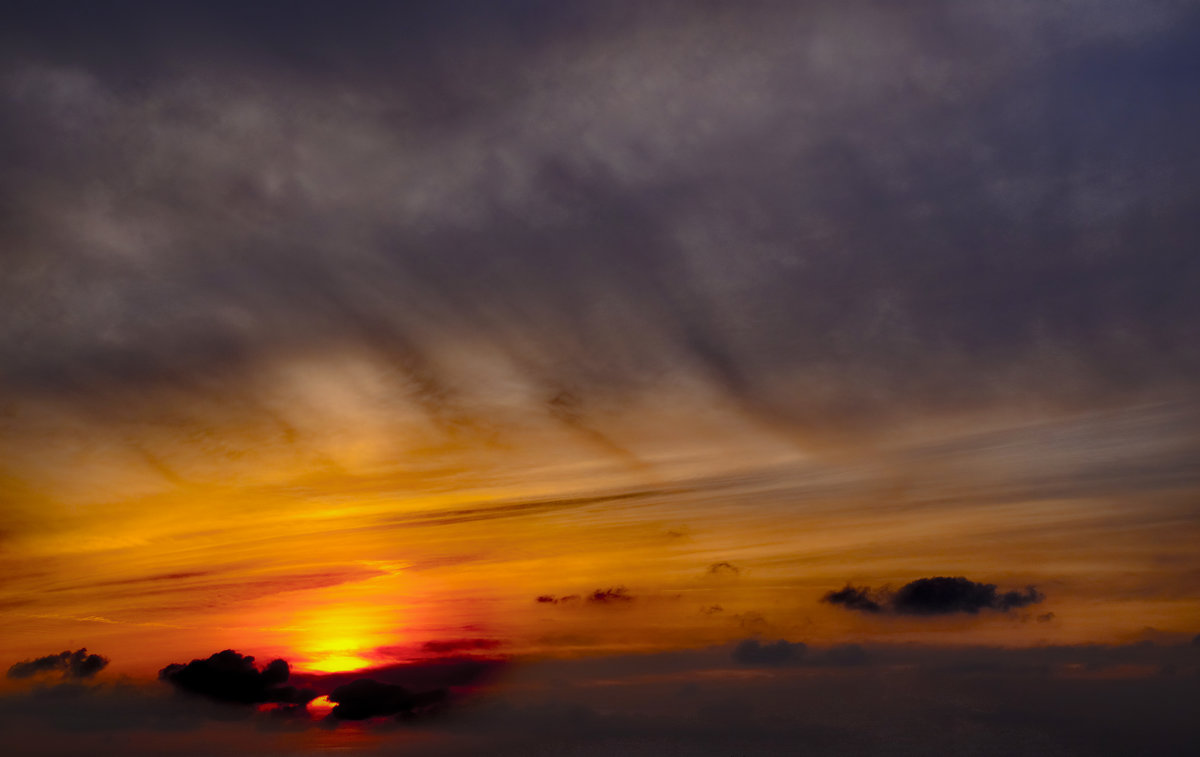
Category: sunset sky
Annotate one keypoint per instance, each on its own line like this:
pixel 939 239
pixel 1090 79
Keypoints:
pixel 614 377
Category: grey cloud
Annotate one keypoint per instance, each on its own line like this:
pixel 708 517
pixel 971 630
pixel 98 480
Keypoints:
pixel 77 665
pixel 925 218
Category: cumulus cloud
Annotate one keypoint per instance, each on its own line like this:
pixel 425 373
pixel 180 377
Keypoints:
pixel 231 677
pixel 939 595
pixel 76 665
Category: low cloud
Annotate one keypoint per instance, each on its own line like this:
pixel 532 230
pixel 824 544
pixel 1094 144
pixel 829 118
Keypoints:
pixel 445 646
pixel 231 677
pixel 78 665
pixel 366 698
pixel 940 595
pixel 754 652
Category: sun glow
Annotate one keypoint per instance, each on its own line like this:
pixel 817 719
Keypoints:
pixel 337 662
pixel 341 638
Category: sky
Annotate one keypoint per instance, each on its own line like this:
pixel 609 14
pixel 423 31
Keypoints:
pixel 599 378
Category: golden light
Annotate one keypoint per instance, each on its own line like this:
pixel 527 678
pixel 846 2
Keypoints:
pixel 341 637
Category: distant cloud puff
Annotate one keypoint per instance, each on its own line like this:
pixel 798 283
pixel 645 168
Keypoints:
pixel 617 594
pixel 230 677
pixel 940 595
pixel 723 569
pixel 78 664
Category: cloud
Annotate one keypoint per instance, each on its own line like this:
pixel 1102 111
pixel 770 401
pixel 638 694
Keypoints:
pixel 367 698
pixel 609 595
pixel 754 652
pixel 723 568
pixel 940 595
pixel 231 677
pixel 943 595
pixel 78 665
pixel 853 598
pixel 444 646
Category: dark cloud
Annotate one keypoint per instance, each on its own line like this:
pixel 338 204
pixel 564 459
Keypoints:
pixel 231 677
pixel 367 698
pixel 754 652
pixel 940 595
pixel 609 595
pixel 455 673
pixel 77 665
pixel 961 221
pixel 444 646
pixel 943 595
pixel 853 598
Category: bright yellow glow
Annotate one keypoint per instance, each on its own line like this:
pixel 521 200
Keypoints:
pixel 340 637
pixel 337 662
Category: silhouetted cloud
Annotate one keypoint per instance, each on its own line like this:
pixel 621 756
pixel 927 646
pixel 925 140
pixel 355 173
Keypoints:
pixel 444 646
pixel 367 698
pixel 944 595
pixel 231 677
pixel 78 664
pixel 754 652
pixel 939 595
pixel 853 598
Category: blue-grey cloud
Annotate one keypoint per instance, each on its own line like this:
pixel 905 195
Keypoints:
pixel 77 665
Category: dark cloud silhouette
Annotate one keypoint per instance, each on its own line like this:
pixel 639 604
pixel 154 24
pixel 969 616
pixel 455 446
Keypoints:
pixel 445 646
pixel 78 664
pixel 853 598
pixel 231 677
pixel 940 595
pixel 367 698
pixel 754 652
pixel 1045 617
pixel 943 595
